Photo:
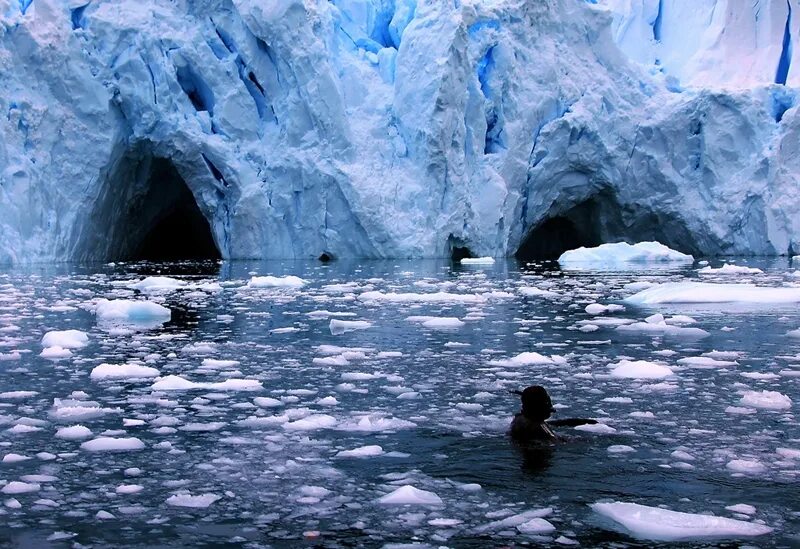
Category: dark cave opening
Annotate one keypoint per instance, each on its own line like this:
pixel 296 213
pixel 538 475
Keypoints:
pixel 166 223
pixel 554 237
pixel 586 224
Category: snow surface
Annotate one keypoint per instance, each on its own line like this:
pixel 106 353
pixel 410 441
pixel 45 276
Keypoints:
pixel 654 523
pixel 674 122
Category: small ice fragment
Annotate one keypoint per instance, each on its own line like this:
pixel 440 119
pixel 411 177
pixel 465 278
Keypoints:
pixel 75 432
pixel 112 444
pixel 767 400
pixel 66 339
pixel 363 451
pixel 200 501
pixel 408 495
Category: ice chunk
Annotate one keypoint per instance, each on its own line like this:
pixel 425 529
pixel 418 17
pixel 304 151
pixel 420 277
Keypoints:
pixel 362 451
pixel 338 327
pixel 598 309
pixel 706 292
pixel 178 383
pixel 126 310
pixel 622 252
pixel 66 339
pixel 276 282
pixel 311 423
pixel 742 509
pixel 536 526
pixel 528 359
pixel 705 362
pixel 17 487
pixel 75 432
pixel 55 352
pixel 654 523
pixel 112 444
pixel 767 400
pixel 158 284
pixel 746 466
pixel 200 501
pixel 443 323
pixel 477 261
pixel 728 269
pixel 438 297
pixel 640 369
pixel 123 371
pixel 408 495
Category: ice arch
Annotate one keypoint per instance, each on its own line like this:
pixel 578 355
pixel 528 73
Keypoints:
pixel 146 211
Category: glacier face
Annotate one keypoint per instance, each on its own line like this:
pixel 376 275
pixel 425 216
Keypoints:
pixel 398 128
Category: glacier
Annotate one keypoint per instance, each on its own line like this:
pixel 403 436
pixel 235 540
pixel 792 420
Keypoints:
pixel 396 128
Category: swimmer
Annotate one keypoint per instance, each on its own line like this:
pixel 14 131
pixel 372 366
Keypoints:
pixel 531 423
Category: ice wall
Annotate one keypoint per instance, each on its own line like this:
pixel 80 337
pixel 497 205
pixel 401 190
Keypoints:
pixel 399 128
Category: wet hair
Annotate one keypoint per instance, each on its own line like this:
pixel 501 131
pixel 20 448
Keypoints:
pixel 536 403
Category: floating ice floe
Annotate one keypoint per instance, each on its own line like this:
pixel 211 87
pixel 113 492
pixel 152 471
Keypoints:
pixel 338 327
pixel 640 369
pixel 746 466
pixel 200 501
pixel 707 292
pixel 290 281
pixel 158 284
pixel 66 339
pixel 178 383
pixel 477 261
pixel 123 371
pixel 55 353
pixel 528 359
pixel 17 487
pixel 408 495
pixel 620 253
pixel 361 452
pixel 728 269
pixel 532 291
pixel 659 326
pixel 75 432
pixel 654 523
pixel 766 400
pixel 598 309
pixel 705 362
pixel 127 310
pixel 112 444
pixel 437 297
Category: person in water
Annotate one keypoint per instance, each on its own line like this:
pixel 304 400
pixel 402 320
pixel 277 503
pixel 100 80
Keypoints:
pixel 531 423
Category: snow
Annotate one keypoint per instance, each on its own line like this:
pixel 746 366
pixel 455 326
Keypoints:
pixel 640 369
pixel 704 292
pixel 621 253
pixel 766 400
pixel 66 339
pixel 656 524
pixel 126 310
pixel 290 281
pixel 123 371
pixel 409 495
pixel 112 444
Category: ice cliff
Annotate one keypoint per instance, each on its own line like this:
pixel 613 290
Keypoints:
pixel 396 128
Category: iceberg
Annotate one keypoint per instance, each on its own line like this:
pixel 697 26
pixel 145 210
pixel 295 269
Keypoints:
pixel 706 292
pixel 315 129
pixel 622 252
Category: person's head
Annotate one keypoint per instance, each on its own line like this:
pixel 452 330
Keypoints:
pixel 536 403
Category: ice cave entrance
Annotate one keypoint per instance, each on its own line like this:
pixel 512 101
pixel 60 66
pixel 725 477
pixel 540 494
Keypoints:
pixel 167 224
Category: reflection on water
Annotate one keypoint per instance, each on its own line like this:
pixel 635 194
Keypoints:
pixel 435 401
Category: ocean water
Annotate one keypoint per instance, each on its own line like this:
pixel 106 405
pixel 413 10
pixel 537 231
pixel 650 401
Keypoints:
pixel 258 463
